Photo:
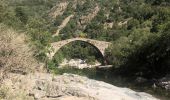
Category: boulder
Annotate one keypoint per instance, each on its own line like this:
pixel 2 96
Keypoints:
pixel 164 82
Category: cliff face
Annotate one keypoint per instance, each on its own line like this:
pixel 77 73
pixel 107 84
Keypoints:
pixel 41 86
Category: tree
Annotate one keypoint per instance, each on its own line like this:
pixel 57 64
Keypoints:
pixel 20 13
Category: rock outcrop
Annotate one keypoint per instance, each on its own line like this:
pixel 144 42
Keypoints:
pixel 58 9
pixel 164 82
pixel 69 87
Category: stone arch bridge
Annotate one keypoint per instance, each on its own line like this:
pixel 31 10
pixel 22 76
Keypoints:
pixel 99 45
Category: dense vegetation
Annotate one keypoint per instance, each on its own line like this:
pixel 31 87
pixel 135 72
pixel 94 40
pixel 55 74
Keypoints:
pixel 145 50
pixel 138 29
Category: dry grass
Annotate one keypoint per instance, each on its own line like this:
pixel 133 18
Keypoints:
pixel 15 53
pixel 10 94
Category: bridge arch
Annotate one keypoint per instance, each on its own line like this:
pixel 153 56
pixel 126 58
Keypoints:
pixel 98 45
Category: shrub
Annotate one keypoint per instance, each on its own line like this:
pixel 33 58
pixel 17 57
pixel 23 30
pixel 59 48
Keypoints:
pixel 3 92
pixel 91 60
pixel 15 53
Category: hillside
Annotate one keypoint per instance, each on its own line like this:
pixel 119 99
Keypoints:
pixel 131 25
pixel 139 31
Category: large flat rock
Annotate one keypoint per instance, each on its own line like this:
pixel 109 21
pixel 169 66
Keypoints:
pixel 71 87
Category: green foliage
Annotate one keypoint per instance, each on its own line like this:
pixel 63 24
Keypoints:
pixel 58 58
pixel 20 13
pixel 123 47
pixel 3 5
pixel 133 24
pixel 91 60
pixel 138 29
pixel 41 40
pixel 144 48
pixel 154 56
pixel 58 21
pixel 51 65
pixel 159 2
pixel 3 92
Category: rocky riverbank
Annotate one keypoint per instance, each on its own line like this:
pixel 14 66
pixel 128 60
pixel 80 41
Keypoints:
pixel 78 63
pixel 41 86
